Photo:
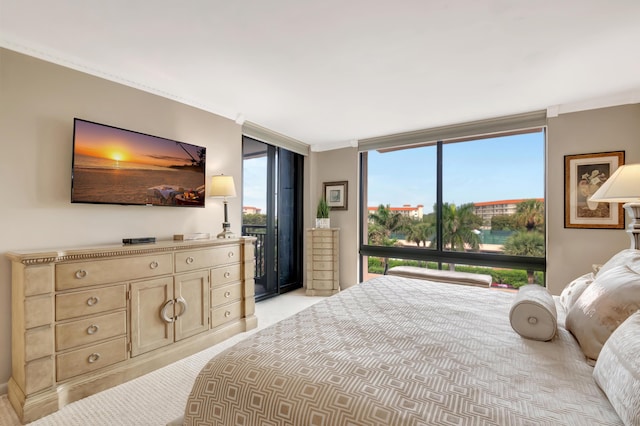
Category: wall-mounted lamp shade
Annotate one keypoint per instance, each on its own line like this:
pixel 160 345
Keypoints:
pixel 222 186
pixel 622 187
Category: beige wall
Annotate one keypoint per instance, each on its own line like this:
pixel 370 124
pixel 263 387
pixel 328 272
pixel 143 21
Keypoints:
pixel 38 101
pixel 571 252
pixel 334 166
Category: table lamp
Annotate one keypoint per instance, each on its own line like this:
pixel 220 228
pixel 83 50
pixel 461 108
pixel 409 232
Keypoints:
pixel 222 187
pixel 624 187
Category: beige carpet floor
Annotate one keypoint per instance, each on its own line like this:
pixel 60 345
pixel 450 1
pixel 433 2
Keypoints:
pixel 158 397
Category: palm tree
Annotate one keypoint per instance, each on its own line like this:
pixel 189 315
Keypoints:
pixel 389 221
pixel 379 235
pixel 458 226
pixel 383 223
pixel 525 244
pixel 530 214
pixel 421 232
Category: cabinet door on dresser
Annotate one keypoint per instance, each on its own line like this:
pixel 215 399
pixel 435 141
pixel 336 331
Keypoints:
pixel 167 310
pixel 151 314
pixel 192 304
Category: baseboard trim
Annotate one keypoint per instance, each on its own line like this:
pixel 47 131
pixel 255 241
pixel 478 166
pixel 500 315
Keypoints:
pixel 3 388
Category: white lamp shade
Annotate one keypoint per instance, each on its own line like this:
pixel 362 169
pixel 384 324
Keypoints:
pixel 222 186
pixel 622 187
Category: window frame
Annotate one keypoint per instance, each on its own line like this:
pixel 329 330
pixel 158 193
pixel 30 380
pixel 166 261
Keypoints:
pixel 438 254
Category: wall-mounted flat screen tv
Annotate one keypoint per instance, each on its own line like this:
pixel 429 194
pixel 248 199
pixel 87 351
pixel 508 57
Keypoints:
pixel 117 166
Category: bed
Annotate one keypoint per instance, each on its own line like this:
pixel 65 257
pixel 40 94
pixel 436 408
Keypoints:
pixel 401 351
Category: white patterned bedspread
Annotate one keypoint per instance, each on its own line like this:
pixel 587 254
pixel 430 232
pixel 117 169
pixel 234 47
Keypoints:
pixel 398 351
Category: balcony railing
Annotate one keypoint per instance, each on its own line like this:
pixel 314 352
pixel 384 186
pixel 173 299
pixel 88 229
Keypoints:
pixel 259 232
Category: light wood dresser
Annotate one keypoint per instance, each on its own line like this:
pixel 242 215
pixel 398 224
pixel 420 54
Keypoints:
pixel 323 253
pixel 87 319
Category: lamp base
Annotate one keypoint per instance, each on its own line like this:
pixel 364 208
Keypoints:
pixel 226 231
pixel 226 234
pixel 633 210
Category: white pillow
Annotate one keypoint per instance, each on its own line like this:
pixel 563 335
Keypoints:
pixel 623 257
pixel 574 290
pixel 533 313
pixel 612 297
pixel 617 371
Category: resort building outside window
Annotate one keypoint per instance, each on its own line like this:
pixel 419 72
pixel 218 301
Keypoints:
pixel 473 204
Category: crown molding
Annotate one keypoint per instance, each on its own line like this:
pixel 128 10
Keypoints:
pixel 353 143
pixel 617 99
pixel 54 57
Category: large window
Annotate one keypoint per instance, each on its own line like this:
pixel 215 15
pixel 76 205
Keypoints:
pixel 468 204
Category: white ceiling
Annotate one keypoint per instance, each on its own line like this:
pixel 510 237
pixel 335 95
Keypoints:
pixel 329 72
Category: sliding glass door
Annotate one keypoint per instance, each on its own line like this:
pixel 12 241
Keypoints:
pixel 272 212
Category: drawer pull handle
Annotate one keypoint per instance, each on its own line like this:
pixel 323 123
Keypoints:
pixel 190 260
pixel 163 312
pixel 92 329
pixel 153 265
pixel 94 357
pixel 227 294
pixel 227 274
pixel 227 314
pixel 93 300
pixel 182 302
pixel 81 273
pixel 231 254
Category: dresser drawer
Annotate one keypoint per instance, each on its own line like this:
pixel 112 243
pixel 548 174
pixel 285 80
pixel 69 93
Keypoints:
pixel 94 301
pixel 323 266
pixel 225 314
pixel 88 359
pixel 81 274
pixel 226 274
pixel 322 275
pixel 324 285
pixel 197 259
pixel 224 294
pixel 325 234
pixel 90 330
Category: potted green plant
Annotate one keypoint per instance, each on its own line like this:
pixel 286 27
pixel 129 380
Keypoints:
pixel 322 214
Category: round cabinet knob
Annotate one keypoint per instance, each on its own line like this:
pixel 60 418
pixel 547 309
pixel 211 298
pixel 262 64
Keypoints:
pixel 227 294
pixel 92 329
pixel 153 265
pixel 227 314
pixel 190 260
pixel 227 274
pixel 231 254
pixel 94 357
pixel 81 273
pixel 93 300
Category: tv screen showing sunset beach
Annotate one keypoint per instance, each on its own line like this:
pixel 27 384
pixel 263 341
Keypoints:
pixel 117 166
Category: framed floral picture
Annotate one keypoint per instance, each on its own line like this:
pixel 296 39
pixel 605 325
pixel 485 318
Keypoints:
pixel 336 194
pixel 583 175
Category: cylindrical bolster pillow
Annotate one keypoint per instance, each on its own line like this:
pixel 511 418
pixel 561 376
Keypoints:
pixel 533 313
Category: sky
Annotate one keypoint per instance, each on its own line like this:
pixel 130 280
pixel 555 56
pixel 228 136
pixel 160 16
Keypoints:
pixel 119 145
pixel 483 170
pixel 255 184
